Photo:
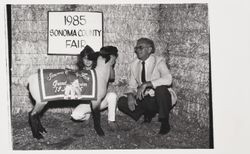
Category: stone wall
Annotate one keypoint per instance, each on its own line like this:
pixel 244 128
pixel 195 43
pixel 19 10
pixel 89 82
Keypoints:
pixel 180 32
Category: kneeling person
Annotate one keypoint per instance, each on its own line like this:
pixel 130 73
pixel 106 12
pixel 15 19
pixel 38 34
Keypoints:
pixel 83 111
pixel 149 89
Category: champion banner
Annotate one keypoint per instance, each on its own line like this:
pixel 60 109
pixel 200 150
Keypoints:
pixel 53 83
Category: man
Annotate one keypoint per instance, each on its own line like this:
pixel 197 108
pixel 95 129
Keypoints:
pixel 149 89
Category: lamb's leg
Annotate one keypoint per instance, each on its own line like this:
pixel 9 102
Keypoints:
pixel 34 126
pixel 40 126
pixel 34 121
pixel 34 115
pixel 97 120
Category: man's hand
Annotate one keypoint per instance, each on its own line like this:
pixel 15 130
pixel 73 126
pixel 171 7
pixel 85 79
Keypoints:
pixel 141 90
pixel 131 102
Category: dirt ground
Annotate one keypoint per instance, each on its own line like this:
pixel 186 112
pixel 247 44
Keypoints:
pixel 63 133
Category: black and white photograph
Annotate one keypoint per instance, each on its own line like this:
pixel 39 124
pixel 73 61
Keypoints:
pixel 121 76
pixel 116 76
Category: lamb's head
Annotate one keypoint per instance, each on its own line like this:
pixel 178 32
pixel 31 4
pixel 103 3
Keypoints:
pixel 109 53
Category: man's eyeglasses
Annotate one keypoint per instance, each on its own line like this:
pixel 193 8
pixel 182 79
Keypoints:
pixel 140 47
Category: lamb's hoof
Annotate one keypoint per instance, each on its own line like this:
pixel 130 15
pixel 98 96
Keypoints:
pixel 99 131
pixel 38 136
pixel 41 128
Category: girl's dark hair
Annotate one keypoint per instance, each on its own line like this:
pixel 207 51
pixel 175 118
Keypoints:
pixel 85 53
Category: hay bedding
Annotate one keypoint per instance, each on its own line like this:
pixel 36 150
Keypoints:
pixel 66 134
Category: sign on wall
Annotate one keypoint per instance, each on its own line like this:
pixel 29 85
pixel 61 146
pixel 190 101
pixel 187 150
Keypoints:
pixel 70 32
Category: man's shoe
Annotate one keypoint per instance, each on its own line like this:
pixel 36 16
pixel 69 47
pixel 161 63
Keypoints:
pixel 165 128
pixel 147 119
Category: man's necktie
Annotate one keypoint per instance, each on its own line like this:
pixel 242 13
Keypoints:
pixel 143 76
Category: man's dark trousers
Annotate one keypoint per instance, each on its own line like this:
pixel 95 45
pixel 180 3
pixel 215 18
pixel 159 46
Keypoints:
pixel 149 106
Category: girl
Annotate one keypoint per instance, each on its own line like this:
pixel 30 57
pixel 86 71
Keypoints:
pixel 83 111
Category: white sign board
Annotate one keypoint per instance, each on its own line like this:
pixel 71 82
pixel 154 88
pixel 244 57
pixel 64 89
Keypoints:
pixel 70 32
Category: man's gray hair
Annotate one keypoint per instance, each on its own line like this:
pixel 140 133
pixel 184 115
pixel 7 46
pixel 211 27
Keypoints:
pixel 149 42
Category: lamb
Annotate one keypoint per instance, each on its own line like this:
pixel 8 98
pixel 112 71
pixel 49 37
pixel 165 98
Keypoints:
pixel 106 58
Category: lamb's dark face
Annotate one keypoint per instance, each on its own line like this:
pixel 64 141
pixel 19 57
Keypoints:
pixel 108 51
pixel 109 58
pixel 112 59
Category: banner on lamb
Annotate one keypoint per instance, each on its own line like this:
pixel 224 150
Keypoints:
pixel 54 83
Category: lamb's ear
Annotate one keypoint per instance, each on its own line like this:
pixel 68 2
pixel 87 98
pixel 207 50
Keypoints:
pixel 107 57
pixel 93 56
pixel 113 60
